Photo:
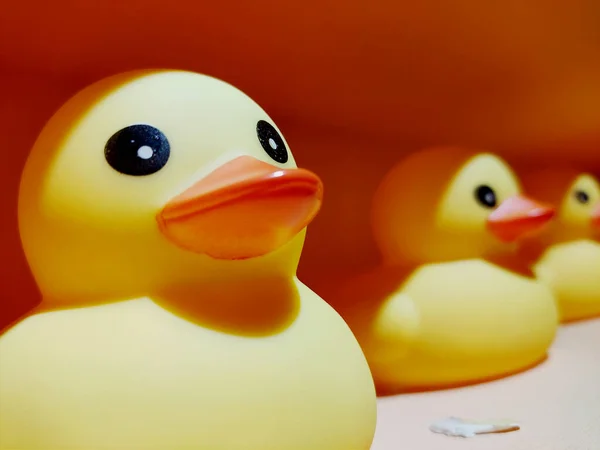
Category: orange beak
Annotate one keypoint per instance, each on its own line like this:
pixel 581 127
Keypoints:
pixel 244 209
pixel 518 217
pixel 596 216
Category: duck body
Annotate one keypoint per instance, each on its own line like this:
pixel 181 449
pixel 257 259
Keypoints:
pixel 572 270
pixel 133 375
pixel 415 343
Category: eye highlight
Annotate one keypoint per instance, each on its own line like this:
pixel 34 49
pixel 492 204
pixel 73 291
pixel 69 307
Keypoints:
pixel 486 196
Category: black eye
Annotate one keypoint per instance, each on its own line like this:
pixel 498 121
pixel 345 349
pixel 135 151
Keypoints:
pixel 582 197
pixel 271 141
pixel 486 196
pixel 137 150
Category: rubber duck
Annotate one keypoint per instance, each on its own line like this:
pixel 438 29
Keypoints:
pixel 449 304
pixel 163 218
pixel 566 255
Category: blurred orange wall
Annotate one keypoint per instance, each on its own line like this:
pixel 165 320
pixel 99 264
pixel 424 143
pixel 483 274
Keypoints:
pixel 353 85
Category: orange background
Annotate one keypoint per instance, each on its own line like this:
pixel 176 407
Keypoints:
pixel 353 85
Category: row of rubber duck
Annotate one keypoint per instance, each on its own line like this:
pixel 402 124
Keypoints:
pixel 163 217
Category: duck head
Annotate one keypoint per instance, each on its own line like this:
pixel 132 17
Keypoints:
pixel 577 199
pixel 450 203
pixel 151 179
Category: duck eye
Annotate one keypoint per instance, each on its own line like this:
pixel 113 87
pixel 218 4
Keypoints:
pixel 271 142
pixel 486 196
pixel 137 150
pixel 582 197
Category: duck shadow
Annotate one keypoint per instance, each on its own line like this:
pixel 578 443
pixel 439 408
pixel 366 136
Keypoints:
pixel 255 308
pixel 590 318
pixel 391 392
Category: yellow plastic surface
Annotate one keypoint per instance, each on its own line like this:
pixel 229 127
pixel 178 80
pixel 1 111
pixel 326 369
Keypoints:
pixel 568 252
pixel 142 344
pixel 450 304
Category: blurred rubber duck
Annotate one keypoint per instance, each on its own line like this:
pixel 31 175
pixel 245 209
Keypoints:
pixel 566 255
pixel 449 305
pixel 163 218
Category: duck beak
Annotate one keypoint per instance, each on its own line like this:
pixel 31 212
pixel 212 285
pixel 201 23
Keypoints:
pixel 243 209
pixel 517 217
pixel 596 217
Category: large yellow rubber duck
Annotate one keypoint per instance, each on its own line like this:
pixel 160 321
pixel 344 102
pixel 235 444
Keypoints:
pixel 450 304
pixel 566 255
pixel 163 219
